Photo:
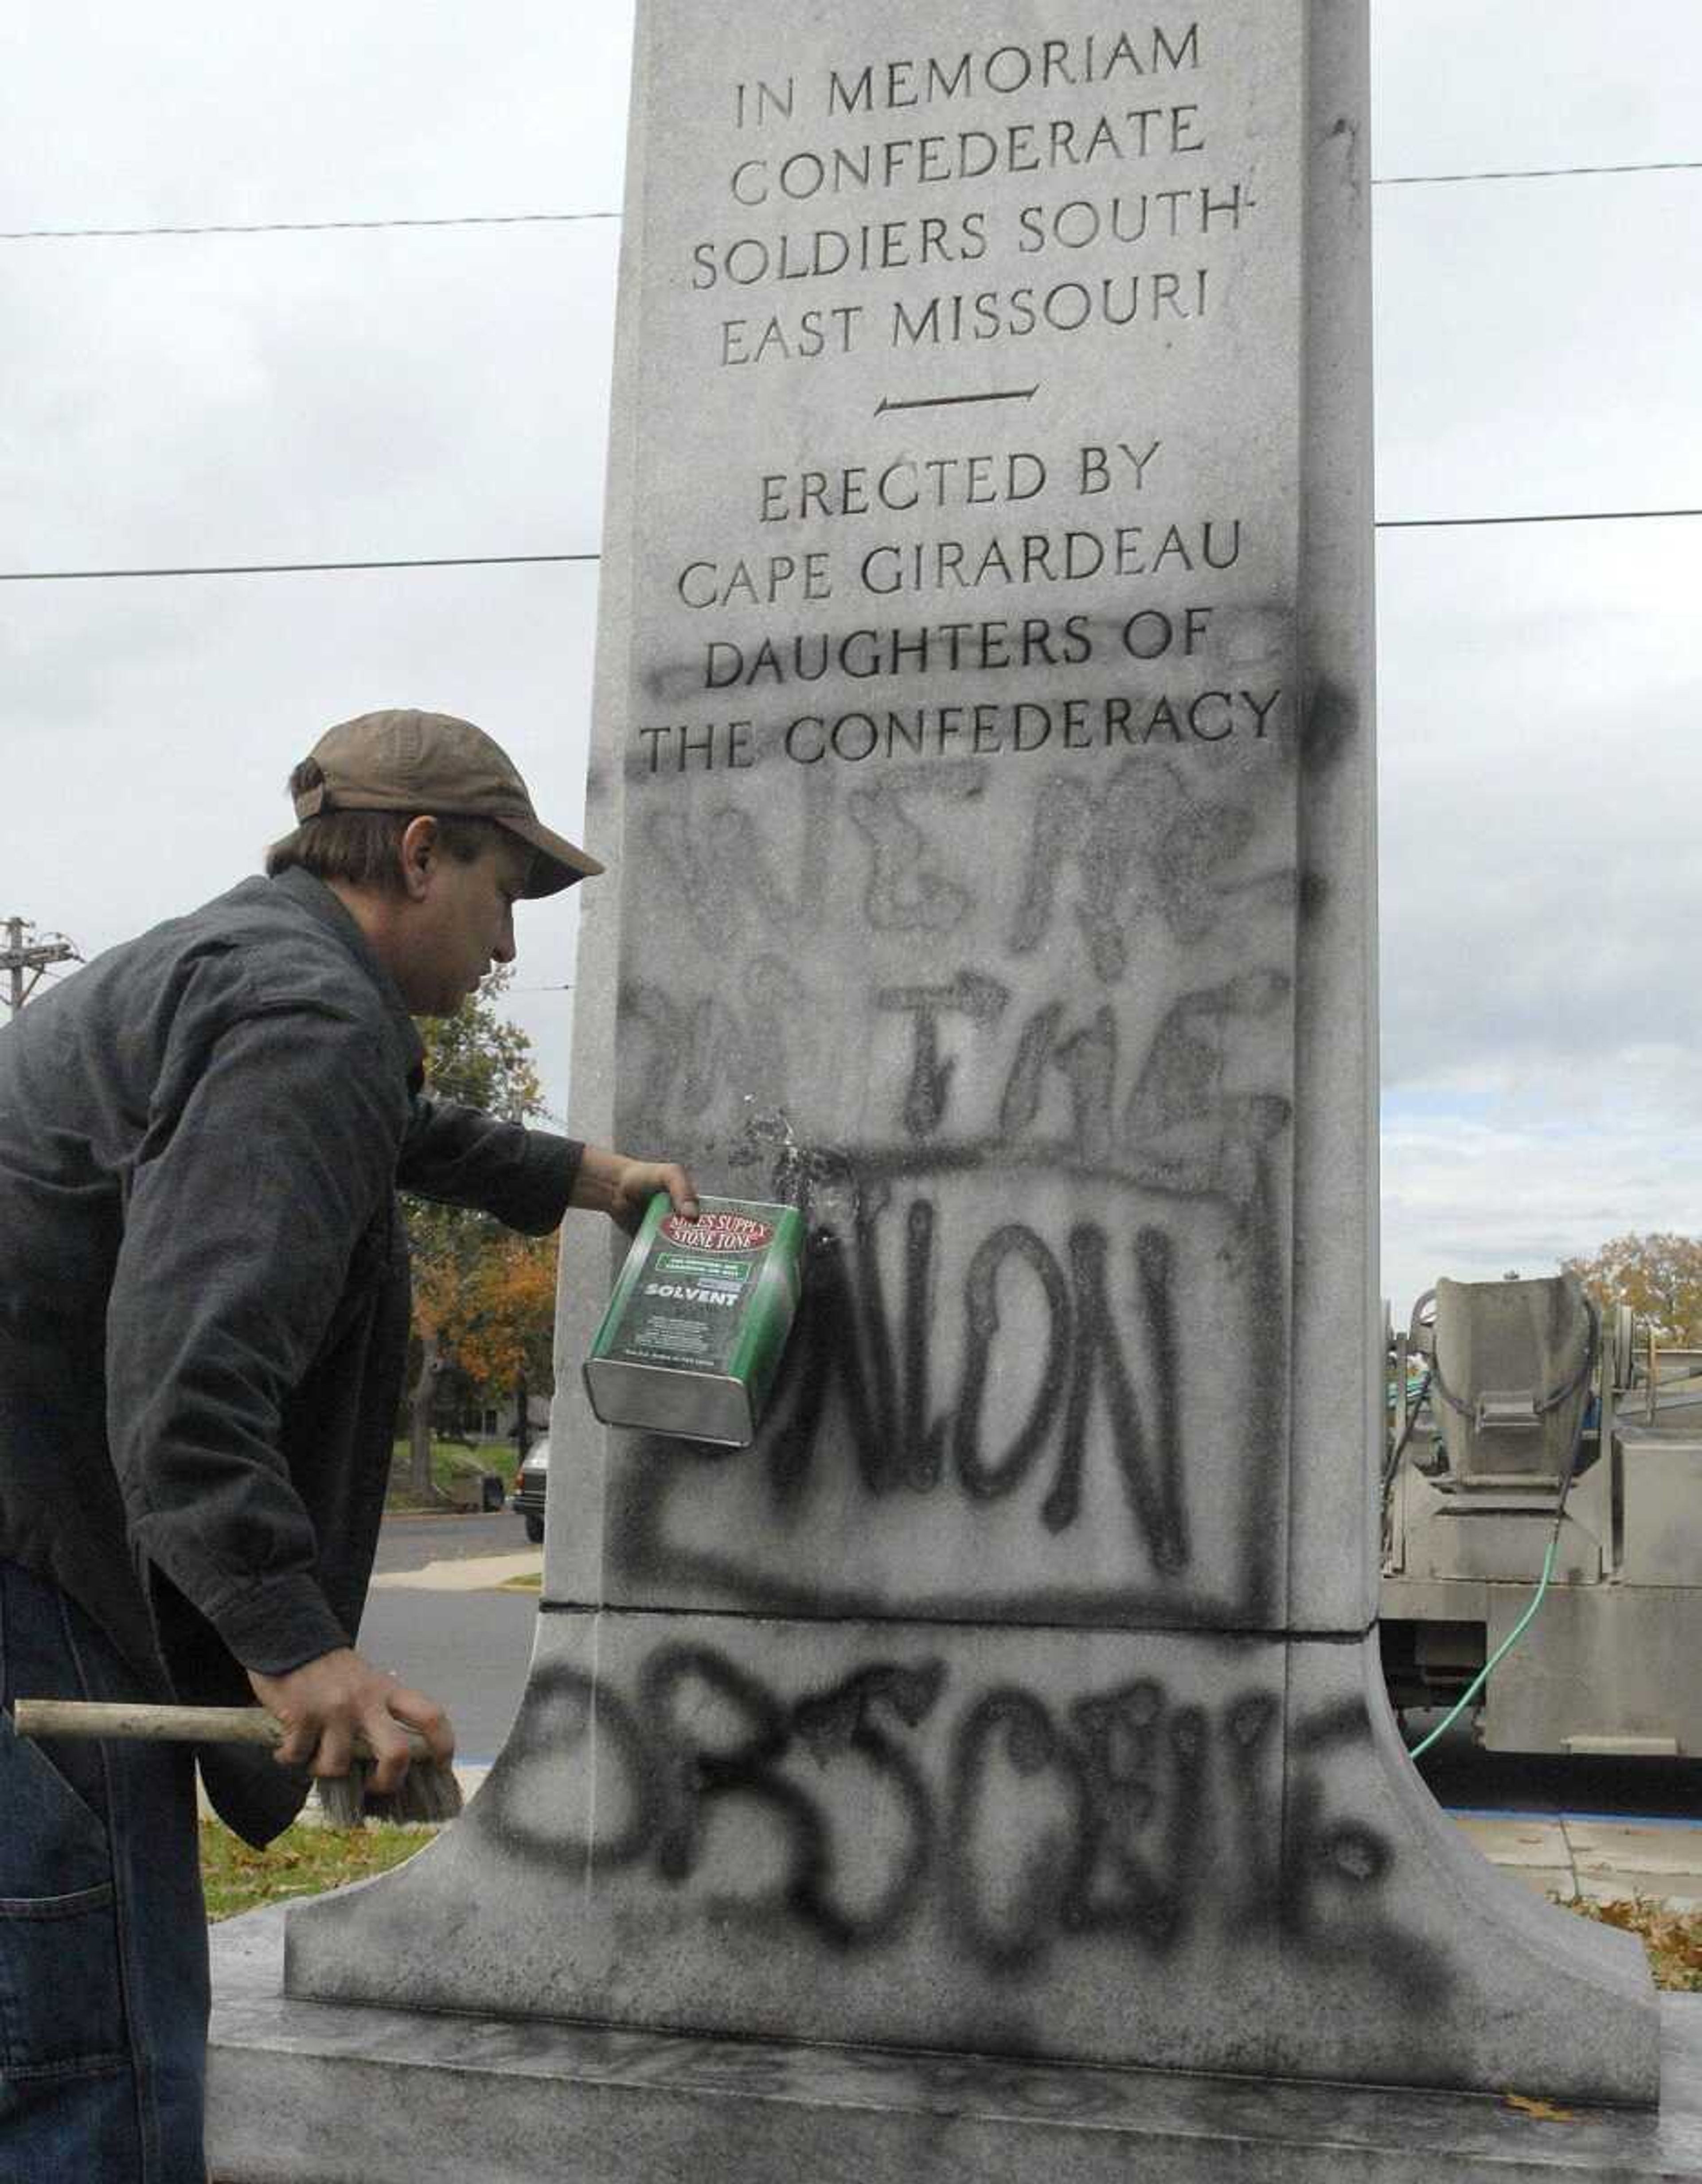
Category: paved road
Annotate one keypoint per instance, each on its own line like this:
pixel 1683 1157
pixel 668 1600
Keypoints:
pixel 468 1649
pixel 410 1542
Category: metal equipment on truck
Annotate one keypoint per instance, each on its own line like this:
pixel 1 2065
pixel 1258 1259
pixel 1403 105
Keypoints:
pixel 1535 1445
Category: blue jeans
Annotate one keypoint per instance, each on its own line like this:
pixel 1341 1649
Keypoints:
pixel 104 1987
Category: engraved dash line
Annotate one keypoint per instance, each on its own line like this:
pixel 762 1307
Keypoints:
pixel 953 401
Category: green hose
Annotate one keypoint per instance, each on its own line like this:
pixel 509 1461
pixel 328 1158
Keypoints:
pixel 1501 1652
pixel 1591 1353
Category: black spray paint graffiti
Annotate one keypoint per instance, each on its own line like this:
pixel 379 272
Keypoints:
pixel 914 1327
pixel 1184 1128
pixel 909 890
pixel 1065 1315
pixel 1143 845
pixel 1182 1134
pixel 724 865
pixel 1146 845
pixel 894 1379
pixel 694 1049
pixel 1087 1319
pixel 1185 1125
pixel 979 999
pixel 1148 1805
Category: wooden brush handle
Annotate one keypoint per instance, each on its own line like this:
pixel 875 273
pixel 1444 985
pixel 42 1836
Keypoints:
pixel 170 1724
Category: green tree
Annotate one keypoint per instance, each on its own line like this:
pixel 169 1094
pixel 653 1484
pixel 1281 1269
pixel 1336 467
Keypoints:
pixel 469 1306
pixel 479 1058
pixel 1658 1275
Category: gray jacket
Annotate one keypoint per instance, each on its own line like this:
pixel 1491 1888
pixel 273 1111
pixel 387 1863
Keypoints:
pixel 204 1287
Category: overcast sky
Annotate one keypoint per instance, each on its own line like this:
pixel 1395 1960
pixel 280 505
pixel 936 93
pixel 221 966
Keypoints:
pixel 426 391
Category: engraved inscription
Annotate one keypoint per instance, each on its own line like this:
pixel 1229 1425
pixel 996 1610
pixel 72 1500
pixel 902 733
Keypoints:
pixel 963 764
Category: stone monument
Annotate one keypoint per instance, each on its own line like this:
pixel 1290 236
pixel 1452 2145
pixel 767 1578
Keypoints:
pixel 985 753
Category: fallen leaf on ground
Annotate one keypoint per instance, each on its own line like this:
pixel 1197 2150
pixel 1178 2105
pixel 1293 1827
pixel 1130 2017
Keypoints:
pixel 1544 2111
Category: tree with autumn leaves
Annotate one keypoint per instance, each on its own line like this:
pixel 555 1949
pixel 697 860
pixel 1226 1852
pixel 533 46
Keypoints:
pixel 1658 1275
pixel 484 1296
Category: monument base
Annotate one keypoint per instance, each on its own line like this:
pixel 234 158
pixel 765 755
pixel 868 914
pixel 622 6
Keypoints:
pixel 304 2093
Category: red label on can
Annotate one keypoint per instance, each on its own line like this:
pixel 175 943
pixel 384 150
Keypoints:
pixel 718 1232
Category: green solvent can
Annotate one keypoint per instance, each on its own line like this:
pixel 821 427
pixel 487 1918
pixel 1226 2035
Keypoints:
pixel 692 1338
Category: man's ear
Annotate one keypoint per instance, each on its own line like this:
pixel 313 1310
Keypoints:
pixel 419 851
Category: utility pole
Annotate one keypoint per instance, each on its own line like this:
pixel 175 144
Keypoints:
pixel 33 956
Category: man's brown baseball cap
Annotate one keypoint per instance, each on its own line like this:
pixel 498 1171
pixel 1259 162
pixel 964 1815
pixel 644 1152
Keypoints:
pixel 432 763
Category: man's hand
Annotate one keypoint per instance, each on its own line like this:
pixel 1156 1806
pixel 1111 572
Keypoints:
pixel 323 1703
pixel 609 1183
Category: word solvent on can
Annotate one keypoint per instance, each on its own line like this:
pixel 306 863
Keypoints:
pixel 692 1338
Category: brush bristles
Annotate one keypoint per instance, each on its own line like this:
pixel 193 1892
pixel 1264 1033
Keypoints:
pixel 428 1794
pixel 341 1798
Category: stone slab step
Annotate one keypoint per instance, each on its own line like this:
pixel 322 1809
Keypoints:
pixel 316 2093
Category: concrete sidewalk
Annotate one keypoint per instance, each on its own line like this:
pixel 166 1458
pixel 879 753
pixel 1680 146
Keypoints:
pixel 1598 1859
pixel 465 1573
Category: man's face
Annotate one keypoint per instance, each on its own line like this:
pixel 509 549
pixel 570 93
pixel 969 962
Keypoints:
pixel 461 925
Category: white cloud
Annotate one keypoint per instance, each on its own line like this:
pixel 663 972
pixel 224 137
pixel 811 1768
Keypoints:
pixel 1475 1197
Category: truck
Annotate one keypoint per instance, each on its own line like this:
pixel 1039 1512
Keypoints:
pixel 1542 1454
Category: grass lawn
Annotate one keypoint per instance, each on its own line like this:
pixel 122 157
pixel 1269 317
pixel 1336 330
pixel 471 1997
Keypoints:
pixel 450 1459
pixel 302 1861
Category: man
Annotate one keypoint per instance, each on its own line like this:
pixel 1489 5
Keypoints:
pixel 203 1314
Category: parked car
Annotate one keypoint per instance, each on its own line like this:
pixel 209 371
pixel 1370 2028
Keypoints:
pixel 530 1483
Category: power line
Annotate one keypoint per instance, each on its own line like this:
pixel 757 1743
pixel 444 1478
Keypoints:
pixel 1541 174
pixel 297 227
pixel 561 219
pixel 287 568
pixel 1582 516
pixel 512 560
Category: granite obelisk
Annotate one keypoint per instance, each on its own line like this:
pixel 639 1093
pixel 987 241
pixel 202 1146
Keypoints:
pixel 985 748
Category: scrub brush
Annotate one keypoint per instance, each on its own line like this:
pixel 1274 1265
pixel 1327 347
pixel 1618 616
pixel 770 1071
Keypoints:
pixel 428 1791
